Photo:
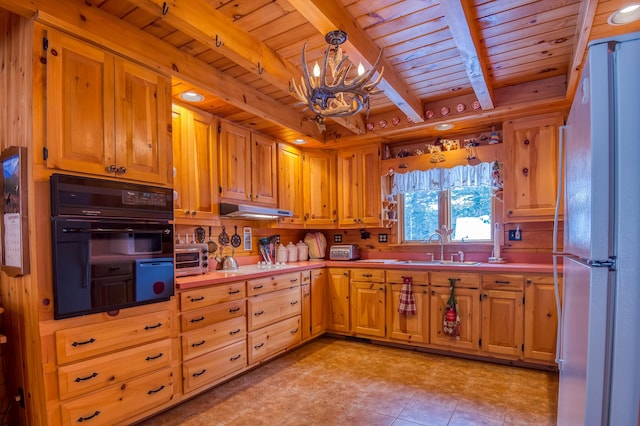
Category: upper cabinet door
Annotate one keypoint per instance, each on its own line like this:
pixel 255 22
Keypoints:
pixel 290 184
pixel 105 116
pixel 319 182
pixel 142 117
pixel 359 193
pixel 264 182
pixel 531 167
pixel 234 162
pixel 80 106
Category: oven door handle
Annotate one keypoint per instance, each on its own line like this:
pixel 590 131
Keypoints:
pixel 114 231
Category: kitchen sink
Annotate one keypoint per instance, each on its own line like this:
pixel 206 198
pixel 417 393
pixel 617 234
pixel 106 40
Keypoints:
pixel 437 262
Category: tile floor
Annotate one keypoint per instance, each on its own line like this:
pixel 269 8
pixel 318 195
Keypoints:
pixel 338 382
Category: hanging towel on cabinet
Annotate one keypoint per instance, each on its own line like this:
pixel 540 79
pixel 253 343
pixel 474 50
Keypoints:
pixel 407 304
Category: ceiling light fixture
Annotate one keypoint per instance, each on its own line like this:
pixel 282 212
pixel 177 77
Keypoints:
pixel 444 126
pixel 191 96
pixel 625 15
pixel 329 94
pixel 299 141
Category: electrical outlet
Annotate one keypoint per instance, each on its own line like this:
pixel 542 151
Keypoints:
pixel 337 238
pixel 382 238
pixel 515 235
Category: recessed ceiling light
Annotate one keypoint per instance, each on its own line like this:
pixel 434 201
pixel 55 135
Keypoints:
pixel 191 96
pixel 625 15
pixel 299 141
pixel 444 126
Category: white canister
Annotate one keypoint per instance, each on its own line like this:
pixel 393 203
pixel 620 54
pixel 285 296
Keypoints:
pixel 292 252
pixel 282 254
pixel 303 251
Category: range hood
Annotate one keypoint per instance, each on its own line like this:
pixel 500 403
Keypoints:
pixel 248 211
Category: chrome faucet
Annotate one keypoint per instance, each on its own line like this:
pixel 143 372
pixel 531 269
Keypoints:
pixel 439 236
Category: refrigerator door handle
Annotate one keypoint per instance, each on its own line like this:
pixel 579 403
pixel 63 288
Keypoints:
pixel 556 280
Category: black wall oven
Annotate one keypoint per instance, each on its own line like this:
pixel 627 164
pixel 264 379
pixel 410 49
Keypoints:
pixel 112 245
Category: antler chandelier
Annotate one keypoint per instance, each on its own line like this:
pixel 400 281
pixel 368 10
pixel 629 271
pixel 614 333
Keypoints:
pixel 330 94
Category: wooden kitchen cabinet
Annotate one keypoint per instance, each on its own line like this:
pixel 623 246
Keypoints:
pixel 105 115
pixel 318 301
pixel 214 333
pixel 540 319
pixel 467 292
pixel 368 302
pixel 290 184
pixel 319 189
pixel 502 315
pixel 338 293
pixel 194 150
pixel 408 328
pixel 247 166
pixel 274 317
pixel 531 167
pixel 359 193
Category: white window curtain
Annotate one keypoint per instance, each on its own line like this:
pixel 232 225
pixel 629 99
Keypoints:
pixel 441 179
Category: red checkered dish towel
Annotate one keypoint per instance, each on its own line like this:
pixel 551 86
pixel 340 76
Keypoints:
pixel 407 301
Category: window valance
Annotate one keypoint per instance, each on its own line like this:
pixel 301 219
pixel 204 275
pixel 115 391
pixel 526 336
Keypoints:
pixel 440 179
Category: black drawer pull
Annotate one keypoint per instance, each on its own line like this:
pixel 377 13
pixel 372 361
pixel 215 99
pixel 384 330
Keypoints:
pixel 200 343
pixel 367 275
pixel 199 373
pixel 232 332
pixel 233 358
pixel 152 391
pixel 82 419
pixel 257 287
pixel 151 327
pixel 503 282
pixel 257 314
pixel 234 291
pixel 82 379
pixel 151 358
pixel 197 319
pixel 294 331
pixel 86 342
pixel 258 346
pixel 197 299
pixel 293 302
pixel 234 310
pixel 295 280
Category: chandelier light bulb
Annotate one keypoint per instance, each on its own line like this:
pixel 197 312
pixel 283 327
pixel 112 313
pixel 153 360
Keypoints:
pixel 316 70
pixel 360 68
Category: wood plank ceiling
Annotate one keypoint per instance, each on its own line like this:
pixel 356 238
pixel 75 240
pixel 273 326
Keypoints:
pixel 473 63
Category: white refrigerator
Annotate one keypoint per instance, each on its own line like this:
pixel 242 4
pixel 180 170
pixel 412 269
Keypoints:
pixel 599 321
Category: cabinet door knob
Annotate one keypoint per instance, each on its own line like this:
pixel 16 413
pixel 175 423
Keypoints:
pixel 526 141
pixel 525 171
pixel 111 168
pixel 121 170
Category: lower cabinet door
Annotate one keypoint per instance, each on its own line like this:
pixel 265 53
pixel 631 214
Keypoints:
pixel 273 339
pixel 121 401
pixel 409 328
pixel 213 366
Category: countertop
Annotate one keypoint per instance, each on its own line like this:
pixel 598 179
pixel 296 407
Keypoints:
pixel 253 271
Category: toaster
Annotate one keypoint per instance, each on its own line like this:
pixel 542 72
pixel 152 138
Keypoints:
pixel 344 252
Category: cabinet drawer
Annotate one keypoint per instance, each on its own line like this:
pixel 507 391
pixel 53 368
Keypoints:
pixel 96 339
pixel 502 282
pixel 120 401
pixel 417 277
pixel 82 377
pixel 369 275
pixel 191 320
pixel 207 296
pixel 463 279
pixel 269 308
pixel 214 365
pixel 212 337
pixel 276 282
pixel 273 339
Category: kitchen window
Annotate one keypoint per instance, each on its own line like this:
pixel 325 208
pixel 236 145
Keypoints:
pixel 459 199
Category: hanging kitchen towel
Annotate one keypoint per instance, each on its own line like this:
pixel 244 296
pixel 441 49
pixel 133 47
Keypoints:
pixel 451 326
pixel 407 301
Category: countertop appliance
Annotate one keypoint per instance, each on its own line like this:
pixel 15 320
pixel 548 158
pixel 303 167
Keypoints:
pixel 344 252
pixel 111 245
pixel 191 259
pixel 600 317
